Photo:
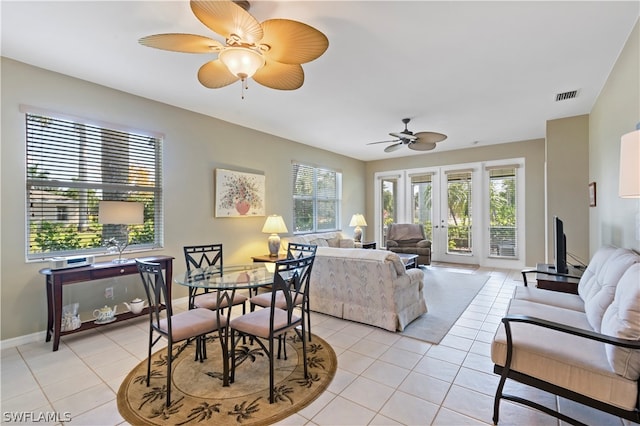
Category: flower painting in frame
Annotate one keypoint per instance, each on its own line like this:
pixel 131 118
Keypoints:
pixel 239 194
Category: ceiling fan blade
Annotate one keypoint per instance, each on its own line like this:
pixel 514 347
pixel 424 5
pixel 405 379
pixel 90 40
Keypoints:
pixel 430 137
pixel 226 18
pixel 401 135
pixel 394 140
pixel 393 147
pixel 422 146
pixel 214 75
pixel 292 42
pixel 280 76
pixel 187 43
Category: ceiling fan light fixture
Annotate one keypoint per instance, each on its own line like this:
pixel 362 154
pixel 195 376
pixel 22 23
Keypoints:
pixel 242 62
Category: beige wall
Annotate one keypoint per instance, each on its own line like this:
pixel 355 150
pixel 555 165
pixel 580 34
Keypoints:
pixel 194 145
pixel 617 111
pixel 533 153
pixel 567 156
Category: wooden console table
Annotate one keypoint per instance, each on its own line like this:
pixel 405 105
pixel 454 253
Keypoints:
pixel 56 279
pixel 549 279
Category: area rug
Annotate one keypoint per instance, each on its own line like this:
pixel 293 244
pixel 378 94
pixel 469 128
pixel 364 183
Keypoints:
pixel 447 294
pixel 197 394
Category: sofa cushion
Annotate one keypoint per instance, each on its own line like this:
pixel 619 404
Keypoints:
pixel 622 320
pixel 597 286
pixel 572 362
pixel 547 297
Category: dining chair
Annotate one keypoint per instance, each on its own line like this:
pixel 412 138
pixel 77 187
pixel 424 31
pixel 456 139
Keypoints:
pixel 294 251
pixel 191 324
pixel 290 285
pixel 209 257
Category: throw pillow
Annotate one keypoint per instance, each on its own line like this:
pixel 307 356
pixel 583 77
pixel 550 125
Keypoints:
pixel 622 320
pixel 333 242
pixel 347 243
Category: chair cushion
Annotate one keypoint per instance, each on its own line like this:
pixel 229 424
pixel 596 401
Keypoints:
pixel 598 288
pixel 210 301
pixel 192 323
pixel 622 320
pixel 572 362
pixel 405 231
pixel 264 300
pixel 256 323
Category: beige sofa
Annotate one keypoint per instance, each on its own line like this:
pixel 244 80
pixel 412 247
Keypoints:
pixel 367 286
pixel 585 346
pixel 325 239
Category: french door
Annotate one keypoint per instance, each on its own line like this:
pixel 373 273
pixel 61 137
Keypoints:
pixel 469 211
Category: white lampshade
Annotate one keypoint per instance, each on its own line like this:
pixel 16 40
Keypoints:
pixel 241 61
pixel 274 225
pixel 120 213
pixel 357 220
pixel 629 185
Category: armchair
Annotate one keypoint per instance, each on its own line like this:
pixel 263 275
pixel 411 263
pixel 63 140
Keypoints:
pixel 409 238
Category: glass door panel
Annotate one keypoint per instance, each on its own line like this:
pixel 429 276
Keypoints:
pixel 389 205
pixel 459 213
pixel 503 227
pixel 422 202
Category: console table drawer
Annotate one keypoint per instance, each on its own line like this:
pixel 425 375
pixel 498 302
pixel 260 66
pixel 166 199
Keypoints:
pixel 99 273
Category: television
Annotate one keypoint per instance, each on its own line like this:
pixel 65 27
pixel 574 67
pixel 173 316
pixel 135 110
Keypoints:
pixel 560 246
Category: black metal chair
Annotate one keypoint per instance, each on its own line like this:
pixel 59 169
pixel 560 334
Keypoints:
pixel 294 251
pixel 208 257
pixel 290 287
pixel 191 324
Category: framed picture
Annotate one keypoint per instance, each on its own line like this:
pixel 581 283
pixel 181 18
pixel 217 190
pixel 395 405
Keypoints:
pixel 592 194
pixel 239 194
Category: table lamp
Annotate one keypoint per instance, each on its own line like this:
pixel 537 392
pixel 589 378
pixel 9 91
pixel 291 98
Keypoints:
pixel 120 213
pixel 274 225
pixel 357 220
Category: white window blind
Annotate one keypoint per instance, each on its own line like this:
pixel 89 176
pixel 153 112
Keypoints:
pixel 316 198
pixel 71 166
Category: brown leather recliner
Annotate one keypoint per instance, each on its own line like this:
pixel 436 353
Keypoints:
pixel 409 238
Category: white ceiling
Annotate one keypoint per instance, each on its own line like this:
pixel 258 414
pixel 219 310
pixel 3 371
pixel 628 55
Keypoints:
pixel 484 72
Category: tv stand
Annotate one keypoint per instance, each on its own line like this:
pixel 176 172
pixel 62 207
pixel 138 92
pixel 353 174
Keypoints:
pixel 548 279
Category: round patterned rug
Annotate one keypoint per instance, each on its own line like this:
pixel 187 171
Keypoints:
pixel 197 394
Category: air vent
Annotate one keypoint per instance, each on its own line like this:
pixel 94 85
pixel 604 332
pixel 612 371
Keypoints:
pixel 566 95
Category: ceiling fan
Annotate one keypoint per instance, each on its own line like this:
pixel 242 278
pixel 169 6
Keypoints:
pixel 421 141
pixel 270 52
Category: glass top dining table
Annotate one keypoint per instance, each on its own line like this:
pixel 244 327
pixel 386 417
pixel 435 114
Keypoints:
pixel 233 277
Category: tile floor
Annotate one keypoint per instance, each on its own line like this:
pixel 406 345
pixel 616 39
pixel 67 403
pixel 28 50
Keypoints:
pixel 382 378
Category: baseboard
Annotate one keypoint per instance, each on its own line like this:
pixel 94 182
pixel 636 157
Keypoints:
pixel 23 340
pixel 40 336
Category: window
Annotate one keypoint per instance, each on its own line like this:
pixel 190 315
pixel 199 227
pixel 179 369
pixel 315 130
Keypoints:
pixel 71 166
pixel 422 203
pixel 503 211
pixel 316 198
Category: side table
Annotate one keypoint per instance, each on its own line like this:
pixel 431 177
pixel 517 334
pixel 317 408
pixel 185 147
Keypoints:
pixel 269 258
pixel 548 279
pixel 369 245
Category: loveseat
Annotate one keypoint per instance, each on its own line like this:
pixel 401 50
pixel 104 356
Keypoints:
pixel 409 238
pixel 363 285
pixel 367 286
pixel 584 347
